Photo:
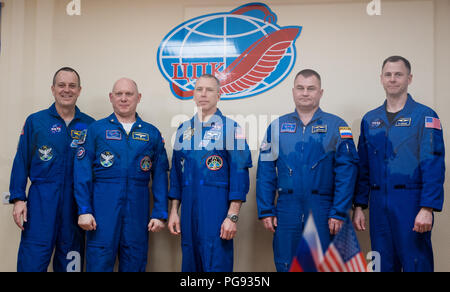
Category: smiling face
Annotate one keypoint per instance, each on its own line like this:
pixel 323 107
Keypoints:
pixel 125 98
pixel 66 89
pixel 395 79
pixel 207 95
pixel 307 93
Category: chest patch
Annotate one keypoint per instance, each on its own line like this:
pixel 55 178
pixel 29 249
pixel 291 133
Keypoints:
pixel 319 129
pixel 214 162
pixel 45 153
pixel 107 159
pixel 403 122
pixel 113 135
pixel 141 136
pixel 288 128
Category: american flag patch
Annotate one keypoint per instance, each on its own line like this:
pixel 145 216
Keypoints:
pixel 433 123
pixel 346 133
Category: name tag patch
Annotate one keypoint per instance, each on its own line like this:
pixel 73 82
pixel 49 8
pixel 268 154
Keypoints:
pixel 319 129
pixel 141 136
pixel 212 135
pixel 403 122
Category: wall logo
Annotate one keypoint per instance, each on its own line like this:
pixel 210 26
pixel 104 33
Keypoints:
pixel 244 48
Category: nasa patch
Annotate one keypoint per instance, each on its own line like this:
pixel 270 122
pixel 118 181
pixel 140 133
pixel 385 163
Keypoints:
pixel 81 152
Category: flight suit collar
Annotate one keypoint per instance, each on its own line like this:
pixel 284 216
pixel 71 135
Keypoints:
pixel 196 121
pixel 404 113
pixel 317 115
pixel 113 119
pixel 54 112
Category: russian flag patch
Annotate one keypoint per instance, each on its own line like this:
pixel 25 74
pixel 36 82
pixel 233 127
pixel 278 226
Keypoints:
pixel 433 123
pixel 346 132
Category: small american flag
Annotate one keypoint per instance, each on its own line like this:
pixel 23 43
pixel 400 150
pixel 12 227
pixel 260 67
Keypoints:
pixel 433 123
pixel 344 254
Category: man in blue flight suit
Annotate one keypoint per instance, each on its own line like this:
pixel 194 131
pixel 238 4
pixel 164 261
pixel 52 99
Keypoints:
pixel 47 146
pixel 402 172
pixel 210 179
pixel 113 169
pixel 310 159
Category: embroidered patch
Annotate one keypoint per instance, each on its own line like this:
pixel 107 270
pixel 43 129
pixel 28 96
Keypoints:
pixel 214 162
pixel 141 136
pixel 106 159
pixel 212 135
pixel 403 122
pixel 239 133
pixel 56 129
pixel 346 132
pixel 113 135
pixel 204 143
pixel 320 129
pixel 81 153
pixel 376 123
pixel 188 134
pixel 289 128
pixel 433 123
pixel 146 163
pixel 45 153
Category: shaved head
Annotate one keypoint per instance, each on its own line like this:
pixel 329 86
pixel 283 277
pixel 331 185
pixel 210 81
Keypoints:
pixel 125 81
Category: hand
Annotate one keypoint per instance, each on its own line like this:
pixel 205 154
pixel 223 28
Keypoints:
pixel 87 222
pixel 424 221
pixel 20 211
pixel 270 223
pixel 228 229
pixel 335 225
pixel 156 225
pixel 174 223
pixel 359 219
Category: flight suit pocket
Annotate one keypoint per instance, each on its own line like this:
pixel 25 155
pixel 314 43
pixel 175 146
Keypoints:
pixel 285 184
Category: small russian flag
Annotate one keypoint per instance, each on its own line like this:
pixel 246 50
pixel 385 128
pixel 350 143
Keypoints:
pixel 309 252
pixel 433 123
pixel 346 133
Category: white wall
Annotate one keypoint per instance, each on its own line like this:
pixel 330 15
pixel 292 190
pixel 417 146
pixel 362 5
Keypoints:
pixel 119 38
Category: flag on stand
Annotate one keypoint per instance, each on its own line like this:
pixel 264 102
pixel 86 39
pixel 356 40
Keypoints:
pixel 309 252
pixel 344 253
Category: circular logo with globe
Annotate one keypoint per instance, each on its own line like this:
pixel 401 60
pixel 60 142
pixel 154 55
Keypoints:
pixel 245 49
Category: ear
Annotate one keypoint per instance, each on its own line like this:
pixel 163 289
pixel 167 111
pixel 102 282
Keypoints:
pixel 410 77
pixel 139 97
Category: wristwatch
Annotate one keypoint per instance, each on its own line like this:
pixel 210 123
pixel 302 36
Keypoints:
pixel 233 217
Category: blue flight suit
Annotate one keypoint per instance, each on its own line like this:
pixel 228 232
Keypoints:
pixel 45 155
pixel 313 168
pixel 402 169
pixel 210 165
pixel 112 175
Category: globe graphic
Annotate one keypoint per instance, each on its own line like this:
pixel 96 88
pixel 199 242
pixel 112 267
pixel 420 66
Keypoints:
pixel 209 44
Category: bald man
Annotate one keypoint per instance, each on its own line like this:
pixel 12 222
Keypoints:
pixel 114 166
